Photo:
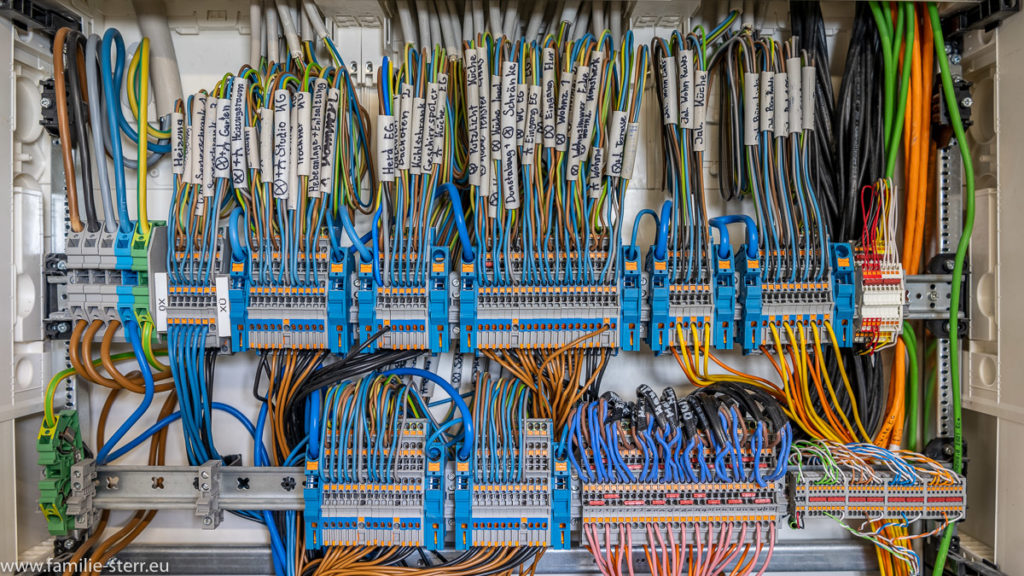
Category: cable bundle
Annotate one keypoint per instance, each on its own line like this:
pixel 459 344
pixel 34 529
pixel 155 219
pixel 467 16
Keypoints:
pixel 726 432
pixel 768 124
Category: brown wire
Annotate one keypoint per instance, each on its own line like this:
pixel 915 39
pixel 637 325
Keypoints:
pixel 64 130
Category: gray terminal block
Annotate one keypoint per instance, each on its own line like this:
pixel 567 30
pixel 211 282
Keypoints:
pixel 610 509
pixel 288 308
pixel 813 493
pixel 406 311
pixel 186 297
pixel 535 316
pixel 808 305
pixel 373 512
pixel 515 512
pixel 693 305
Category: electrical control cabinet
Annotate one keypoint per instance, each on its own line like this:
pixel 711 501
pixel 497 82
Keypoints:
pixel 581 287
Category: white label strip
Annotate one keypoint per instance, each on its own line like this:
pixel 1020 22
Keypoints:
pixel 223 307
pixel 162 300
pixel 282 149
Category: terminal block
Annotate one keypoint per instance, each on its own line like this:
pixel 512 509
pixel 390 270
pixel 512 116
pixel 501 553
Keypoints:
pixel 632 286
pixel 274 308
pixel 58 448
pixel 498 315
pixel 355 508
pixel 813 494
pixel 880 299
pixel 681 506
pixel 509 496
pixel 104 281
pixel 687 304
pixel 803 304
pixel 187 297
pixel 416 314
pixel 843 291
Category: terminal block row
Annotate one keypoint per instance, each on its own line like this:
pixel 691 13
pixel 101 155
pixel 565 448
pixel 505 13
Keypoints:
pixel 357 510
pixel 496 313
pixel 690 507
pixel 527 508
pixel 812 494
pixel 336 301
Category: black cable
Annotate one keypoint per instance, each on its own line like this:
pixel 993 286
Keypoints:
pixel 79 110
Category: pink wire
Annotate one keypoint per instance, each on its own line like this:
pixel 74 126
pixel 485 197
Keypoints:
pixel 654 556
pixel 743 536
pixel 608 547
pixel 664 551
pixel 629 548
pixel 674 557
pixel 682 546
pixel 591 534
pixel 771 549
pixel 700 551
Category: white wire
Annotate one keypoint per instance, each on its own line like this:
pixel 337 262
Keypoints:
pixel 273 35
pixel 255 33
pixel 313 15
pixel 291 37
pixel 494 17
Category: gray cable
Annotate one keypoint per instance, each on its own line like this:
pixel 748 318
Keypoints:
pixel 98 127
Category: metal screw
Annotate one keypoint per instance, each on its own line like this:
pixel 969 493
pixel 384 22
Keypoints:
pixel 62 327
pixel 949 48
pixel 369 67
pixel 207 520
pixel 77 485
pixel 78 473
pixel 949 265
pixel 204 474
pixel 967 102
pixel 62 265
pixel 45 103
pixel 955 59
pixel 205 486
pixel 69 544
pixel 933 296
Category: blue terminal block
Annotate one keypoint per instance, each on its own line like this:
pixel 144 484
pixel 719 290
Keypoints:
pixel 339 297
pixel 463 500
pixel 311 498
pixel 750 300
pixel 366 302
pixel 659 333
pixel 724 329
pixel 434 528
pixel 844 292
pixel 437 301
pixel 238 289
pixel 467 307
pixel 631 288
pixel 561 500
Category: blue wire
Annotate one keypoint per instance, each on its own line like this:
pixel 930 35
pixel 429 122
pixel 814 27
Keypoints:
pixel 466 450
pixel 132 331
pixel 661 246
pixel 171 419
